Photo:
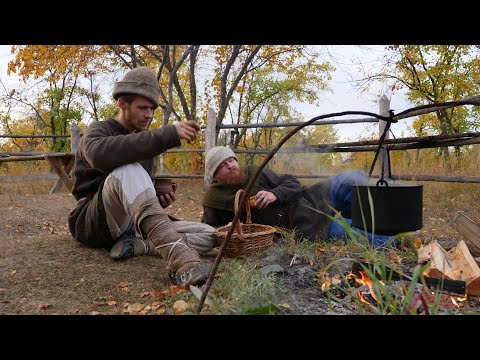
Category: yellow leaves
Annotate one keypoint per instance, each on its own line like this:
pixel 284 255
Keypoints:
pixel 172 291
pixel 170 301
pixel 393 256
pixel 222 52
pixel 186 163
pixel 326 282
pixel 437 73
pixel 55 60
pixel 161 311
pixel 417 242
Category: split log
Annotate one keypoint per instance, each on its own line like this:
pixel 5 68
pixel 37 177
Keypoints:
pixel 456 264
pixel 466 227
pixel 468 269
pixel 451 287
pixel 439 262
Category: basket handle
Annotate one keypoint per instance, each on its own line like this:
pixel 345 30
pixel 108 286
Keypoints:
pixel 237 211
pixel 247 205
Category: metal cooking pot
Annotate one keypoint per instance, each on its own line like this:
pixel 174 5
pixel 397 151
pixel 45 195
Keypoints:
pixel 396 207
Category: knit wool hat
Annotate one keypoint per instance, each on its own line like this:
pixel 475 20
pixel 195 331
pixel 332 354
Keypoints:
pixel 214 157
pixel 139 81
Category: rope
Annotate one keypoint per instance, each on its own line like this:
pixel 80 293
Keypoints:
pixel 173 246
pixel 389 120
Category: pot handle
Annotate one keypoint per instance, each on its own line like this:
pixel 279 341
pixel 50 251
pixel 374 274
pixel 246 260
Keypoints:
pixel 381 181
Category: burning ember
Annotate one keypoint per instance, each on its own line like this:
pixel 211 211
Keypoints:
pixel 395 296
pixel 459 299
pixel 364 279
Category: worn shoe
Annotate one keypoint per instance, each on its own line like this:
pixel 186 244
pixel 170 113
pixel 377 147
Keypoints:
pixel 197 274
pixel 124 247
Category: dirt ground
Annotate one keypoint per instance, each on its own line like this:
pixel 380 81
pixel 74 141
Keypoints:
pixel 44 271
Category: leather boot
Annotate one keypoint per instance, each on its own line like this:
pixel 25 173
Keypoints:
pixel 191 274
pixel 129 245
pixel 156 226
pixel 124 248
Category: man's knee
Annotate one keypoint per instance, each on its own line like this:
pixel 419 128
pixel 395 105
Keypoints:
pixel 128 181
pixel 357 177
pixel 354 177
pixel 133 172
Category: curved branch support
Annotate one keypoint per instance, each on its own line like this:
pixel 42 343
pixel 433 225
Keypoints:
pixel 424 109
pixel 250 185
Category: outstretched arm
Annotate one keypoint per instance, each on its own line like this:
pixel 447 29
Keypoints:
pixel 264 198
pixel 187 130
pixel 283 188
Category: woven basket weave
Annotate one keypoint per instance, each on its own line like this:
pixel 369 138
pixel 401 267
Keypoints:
pixel 247 238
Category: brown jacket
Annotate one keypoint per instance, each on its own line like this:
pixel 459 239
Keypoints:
pixel 105 146
pixel 289 211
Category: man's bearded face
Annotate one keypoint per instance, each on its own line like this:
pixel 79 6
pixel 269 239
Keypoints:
pixel 230 172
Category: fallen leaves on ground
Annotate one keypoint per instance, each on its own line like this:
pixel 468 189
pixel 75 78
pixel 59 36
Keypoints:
pixel 133 308
pixel 180 306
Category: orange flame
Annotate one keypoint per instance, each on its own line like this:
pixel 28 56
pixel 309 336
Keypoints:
pixel 362 299
pixel 454 300
pixel 365 279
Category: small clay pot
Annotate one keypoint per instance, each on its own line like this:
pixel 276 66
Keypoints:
pixel 164 186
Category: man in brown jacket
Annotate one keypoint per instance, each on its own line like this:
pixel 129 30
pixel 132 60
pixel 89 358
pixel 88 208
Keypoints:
pixel 118 208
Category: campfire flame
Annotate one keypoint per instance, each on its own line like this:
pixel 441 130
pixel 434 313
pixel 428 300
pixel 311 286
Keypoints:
pixel 362 299
pixel 376 295
pixel 364 280
pixel 454 300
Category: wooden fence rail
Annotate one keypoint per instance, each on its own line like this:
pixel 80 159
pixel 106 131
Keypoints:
pixel 62 163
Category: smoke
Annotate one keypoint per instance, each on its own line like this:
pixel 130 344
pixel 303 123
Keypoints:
pixel 304 161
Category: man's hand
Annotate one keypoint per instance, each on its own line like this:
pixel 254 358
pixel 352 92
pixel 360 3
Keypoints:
pixel 187 129
pixel 264 198
pixel 167 199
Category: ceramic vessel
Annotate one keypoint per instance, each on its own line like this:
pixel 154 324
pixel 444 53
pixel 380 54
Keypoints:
pixel 164 186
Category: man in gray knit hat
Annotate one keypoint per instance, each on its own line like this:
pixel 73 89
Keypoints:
pixel 118 208
pixel 280 199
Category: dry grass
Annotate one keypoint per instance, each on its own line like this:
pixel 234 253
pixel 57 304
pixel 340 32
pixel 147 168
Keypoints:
pixel 43 271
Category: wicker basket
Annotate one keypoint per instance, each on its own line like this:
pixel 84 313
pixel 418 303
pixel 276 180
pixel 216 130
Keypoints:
pixel 246 238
